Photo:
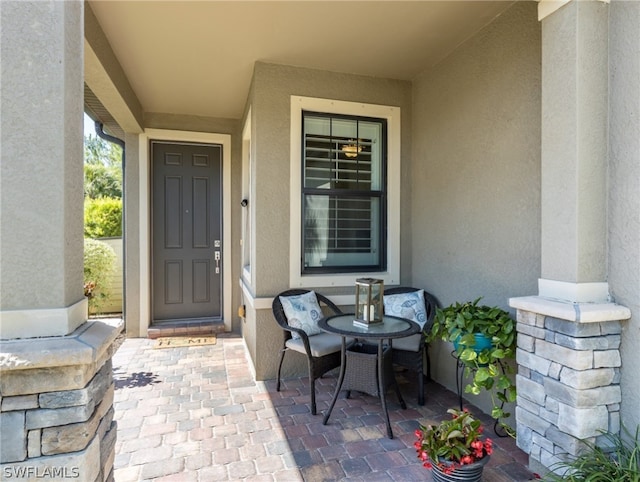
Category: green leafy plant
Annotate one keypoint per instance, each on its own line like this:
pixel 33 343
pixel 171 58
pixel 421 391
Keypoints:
pixel 99 260
pixel 102 181
pixel 452 443
pixel 617 458
pixel 102 218
pixel 458 323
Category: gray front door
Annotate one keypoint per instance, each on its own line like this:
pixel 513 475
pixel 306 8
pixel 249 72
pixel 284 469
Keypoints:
pixel 187 225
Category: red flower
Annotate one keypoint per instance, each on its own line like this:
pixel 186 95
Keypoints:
pixel 467 459
pixel 418 433
pixel 427 465
pixel 449 469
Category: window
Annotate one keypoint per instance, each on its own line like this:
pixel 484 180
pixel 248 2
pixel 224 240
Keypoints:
pixel 345 192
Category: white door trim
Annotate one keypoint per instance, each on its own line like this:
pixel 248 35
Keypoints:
pixel 145 219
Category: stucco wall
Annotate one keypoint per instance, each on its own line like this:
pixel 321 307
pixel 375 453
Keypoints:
pixel 574 143
pixel 624 196
pixel 476 170
pixel 270 107
pixel 41 244
pixel 273 86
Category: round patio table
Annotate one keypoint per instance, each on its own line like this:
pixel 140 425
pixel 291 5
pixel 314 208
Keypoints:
pixel 365 367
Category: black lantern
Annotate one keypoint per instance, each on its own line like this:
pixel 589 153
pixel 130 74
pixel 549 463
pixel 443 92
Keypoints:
pixel 369 307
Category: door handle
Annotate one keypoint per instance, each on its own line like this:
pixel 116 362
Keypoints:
pixel 216 257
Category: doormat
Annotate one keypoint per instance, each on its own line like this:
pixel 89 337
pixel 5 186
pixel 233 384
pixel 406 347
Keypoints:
pixel 182 341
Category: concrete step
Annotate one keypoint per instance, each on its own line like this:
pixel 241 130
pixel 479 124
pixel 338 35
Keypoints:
pixel 197 327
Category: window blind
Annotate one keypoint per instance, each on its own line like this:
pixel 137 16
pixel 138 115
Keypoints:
pixel 342 172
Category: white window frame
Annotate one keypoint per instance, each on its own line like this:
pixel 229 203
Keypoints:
pixel 392 114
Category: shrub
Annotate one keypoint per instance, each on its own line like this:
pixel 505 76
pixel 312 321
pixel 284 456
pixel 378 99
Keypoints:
pixel 618 461
pixel 103 218
pixel 99 260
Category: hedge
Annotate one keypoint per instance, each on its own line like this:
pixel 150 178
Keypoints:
pixel 103 218
pixel 99 261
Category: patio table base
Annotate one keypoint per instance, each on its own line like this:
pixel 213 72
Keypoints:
pixel 367 368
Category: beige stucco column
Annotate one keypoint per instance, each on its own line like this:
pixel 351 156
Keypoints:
pixel 56 383
pixel 41 175
pixel 569 335
pixel 574 150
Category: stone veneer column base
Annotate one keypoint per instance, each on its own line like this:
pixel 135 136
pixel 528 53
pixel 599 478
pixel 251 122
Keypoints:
pixel 56 406
pixel 568 379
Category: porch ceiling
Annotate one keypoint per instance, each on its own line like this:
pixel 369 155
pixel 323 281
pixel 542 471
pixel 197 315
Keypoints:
pixel 197 57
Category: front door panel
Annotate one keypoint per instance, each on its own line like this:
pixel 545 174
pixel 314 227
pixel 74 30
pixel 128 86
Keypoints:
pixel 187 211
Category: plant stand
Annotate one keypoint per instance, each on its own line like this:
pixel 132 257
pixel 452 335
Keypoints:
pixel 460 366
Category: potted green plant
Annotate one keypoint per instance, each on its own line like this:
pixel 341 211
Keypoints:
pixel 484 337
pixel 453 450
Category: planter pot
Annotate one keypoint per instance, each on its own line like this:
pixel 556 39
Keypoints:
pixel 482 342
pixel 465 473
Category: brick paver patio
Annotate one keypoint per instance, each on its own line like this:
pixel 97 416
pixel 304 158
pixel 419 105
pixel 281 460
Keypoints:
pixel 196 414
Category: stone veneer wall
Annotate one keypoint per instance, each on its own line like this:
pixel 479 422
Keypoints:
pixel 56 406
pixel 568 384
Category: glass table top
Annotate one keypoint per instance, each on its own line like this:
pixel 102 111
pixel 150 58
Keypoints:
pixel 391 327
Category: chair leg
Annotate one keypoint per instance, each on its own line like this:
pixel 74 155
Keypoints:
pixel 312 385
pixel 423 358
pixel 280 368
